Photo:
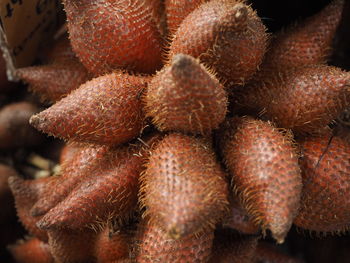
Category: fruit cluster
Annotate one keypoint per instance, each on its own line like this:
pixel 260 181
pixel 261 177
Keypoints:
pixel 184 121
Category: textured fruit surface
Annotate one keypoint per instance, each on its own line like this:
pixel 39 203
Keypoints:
pixel 107 35
pixel 325 204
pixel 184 189
pixel 112 246
pixel 109 190
pixel 265 172
pixel 68 246
pixel 229 247
pixel 306 43
pixel 225 35
pixel 74 171
pixel 177 10
pixel 26 193
pixel 105 110
pixel 304 99
pixel 32 250
pixel 185 97
pixel 54 81
pixel 156 246
pixel 14 128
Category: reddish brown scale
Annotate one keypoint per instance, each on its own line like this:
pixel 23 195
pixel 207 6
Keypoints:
pixel 159 15
pixel 227 36
pixel 112 246
pixel 109 191
pixel 156 246
pixel 54 81
pixel 105 110
pixel 177 10
pixel 228 247
pixel 185 97
pixel 183 188
pixel 74 171
pixel 26 193
pixel 306 43
pixel 69 246
pixel 238 218
pixel 265 172
pixel 32 250
pixel 107 35
pixel 266 252
pixel 325 204
pixel 6 199
pixel 304 99
pixel 14 128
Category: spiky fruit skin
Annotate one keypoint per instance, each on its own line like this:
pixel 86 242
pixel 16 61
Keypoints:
pixel 156 246
pixel 306 43
pixel 109 190
pixel 68 246
pixel 74 171
pixel 296 98
pixel 266 252
pixel 229 247
pixel 107 35
pixel 112 246
pixel 32 250
pixel 105 110
pixel 177 10
pixel 14 128
pixel 326 185
pixel 185 97
pixel 265 171
pixel 54 81
pixel 227 36
pixel 184 189
pixel 26 193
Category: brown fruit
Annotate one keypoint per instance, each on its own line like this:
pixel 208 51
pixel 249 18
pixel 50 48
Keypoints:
pixel 226 35
pixel 105 110
pixel 229 247
pixel 185 97
pixel 112 246
pixel 108 190
pixel 26 193
pixel 107 35
pixel 31 250
pixel 69 246
pixel 54 81
pixel 156 246
pixel 265 172
pixel 325 204
pixel 177 10
pixel 184 188
pixel 74 171
pixel 306 43
pixel 15 130
pixel 305 99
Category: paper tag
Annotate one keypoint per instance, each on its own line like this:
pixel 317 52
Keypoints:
pixel 26 25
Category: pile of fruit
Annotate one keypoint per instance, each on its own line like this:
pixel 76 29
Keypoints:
pixel 191 135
